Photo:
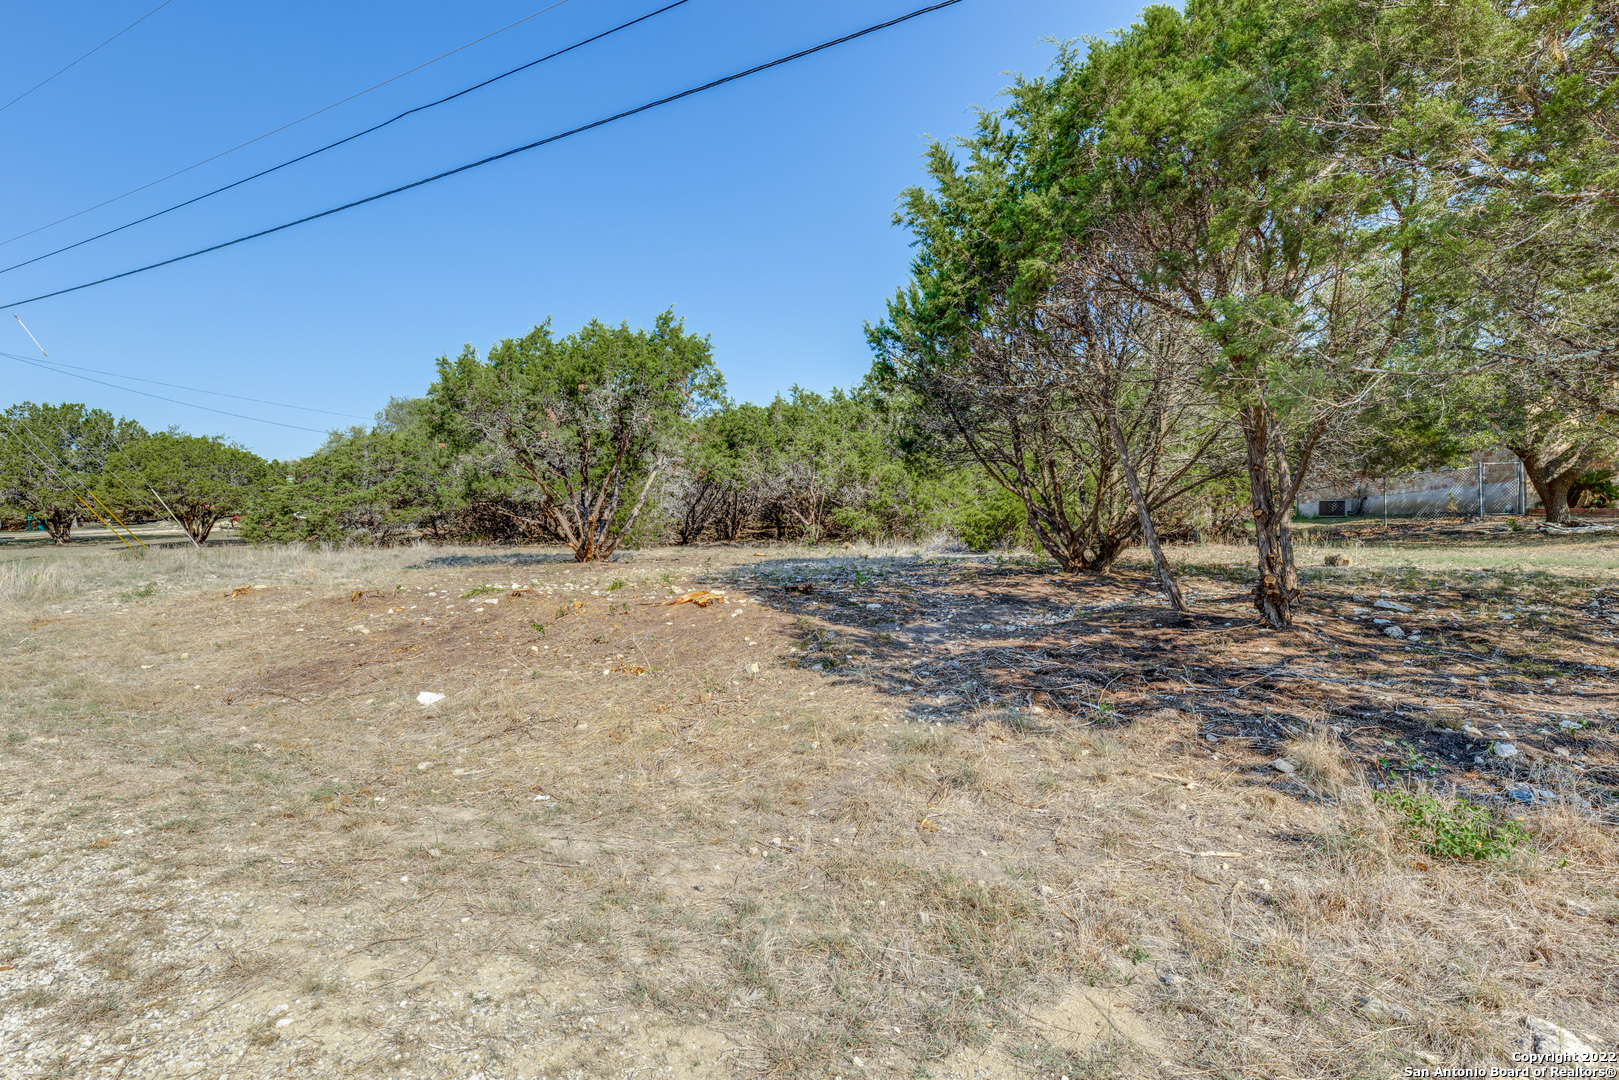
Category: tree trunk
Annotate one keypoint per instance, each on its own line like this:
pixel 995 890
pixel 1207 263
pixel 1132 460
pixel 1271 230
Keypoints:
pixel 59 524
pixel 1277 589
pixel 1555 497
pixel 1166 576
pixel 1551 487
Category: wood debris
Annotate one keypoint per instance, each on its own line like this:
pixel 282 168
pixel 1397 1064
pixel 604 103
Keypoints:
pixel 700 597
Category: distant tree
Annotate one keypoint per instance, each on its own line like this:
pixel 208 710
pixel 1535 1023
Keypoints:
pixel 591 420
pixel 198 479
pixel 53 459
pixel 369 485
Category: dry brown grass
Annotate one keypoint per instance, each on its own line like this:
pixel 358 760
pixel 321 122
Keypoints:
pixel 707 869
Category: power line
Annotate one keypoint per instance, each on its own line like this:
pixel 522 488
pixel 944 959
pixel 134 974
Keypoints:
pixel 89 54
pixel 199 390
pixel 159 397
pixel 188 370
pixel 284 127
pixel 501 156
pixel 345 139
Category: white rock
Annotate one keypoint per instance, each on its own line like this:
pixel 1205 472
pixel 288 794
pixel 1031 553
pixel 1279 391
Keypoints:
pixel 1393 632
pixel 1380 1011
pixel 1503 749
pixel 1547 1038
pixel 1472 732
pixel 427 697
pixel 1390 605
pixel 1282 765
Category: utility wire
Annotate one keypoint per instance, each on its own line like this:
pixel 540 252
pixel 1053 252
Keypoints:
pixel 501 156
pixel 191 370
pixel 345 139
pixel 284 127
pixel 89 54
pixel 199 390
pixel 159 397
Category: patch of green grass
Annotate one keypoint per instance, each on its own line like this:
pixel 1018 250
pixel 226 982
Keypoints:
pixel 1462 831
pixel 480 591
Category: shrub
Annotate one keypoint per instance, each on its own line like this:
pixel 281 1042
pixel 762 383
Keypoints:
pixel 1460 831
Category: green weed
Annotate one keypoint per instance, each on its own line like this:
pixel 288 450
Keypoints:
pixel 1462 831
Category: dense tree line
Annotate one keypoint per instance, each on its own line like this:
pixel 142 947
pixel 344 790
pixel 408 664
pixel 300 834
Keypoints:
pixel 61 464
pixel 1228 252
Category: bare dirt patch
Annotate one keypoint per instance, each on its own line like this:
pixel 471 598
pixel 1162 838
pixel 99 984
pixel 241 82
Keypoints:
pixel 888 816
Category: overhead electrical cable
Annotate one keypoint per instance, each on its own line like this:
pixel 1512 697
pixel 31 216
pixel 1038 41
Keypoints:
pixel 593 125
pixel 159 397
pixel 87 55
pixel 289 124
pixel 344 140
pixel 200 390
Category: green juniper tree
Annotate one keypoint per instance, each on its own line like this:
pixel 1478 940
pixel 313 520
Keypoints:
pixel 590 421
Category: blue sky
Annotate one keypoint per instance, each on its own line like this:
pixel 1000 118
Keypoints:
pixel 760 211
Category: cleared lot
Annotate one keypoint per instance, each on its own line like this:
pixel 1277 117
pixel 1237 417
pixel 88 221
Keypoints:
pixel 873 813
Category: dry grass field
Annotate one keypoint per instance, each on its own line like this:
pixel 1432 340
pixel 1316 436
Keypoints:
pixel 871 813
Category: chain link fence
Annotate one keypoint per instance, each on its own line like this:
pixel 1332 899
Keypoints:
pixel 1479 490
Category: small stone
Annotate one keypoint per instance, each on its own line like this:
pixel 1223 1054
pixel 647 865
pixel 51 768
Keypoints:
pixel 1562 751
pixel 1171 978
pixel 1047 890
pixel 982 854
pixel 1472 732
pixel 1390 605
pixel 427 697
pixel 1381 1011
pixel 1503 750
pixel 423 766
pixel 1394 632
pixel 581 726
pixel 1546 1037
pixel 1569 725
pixel 1282 765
